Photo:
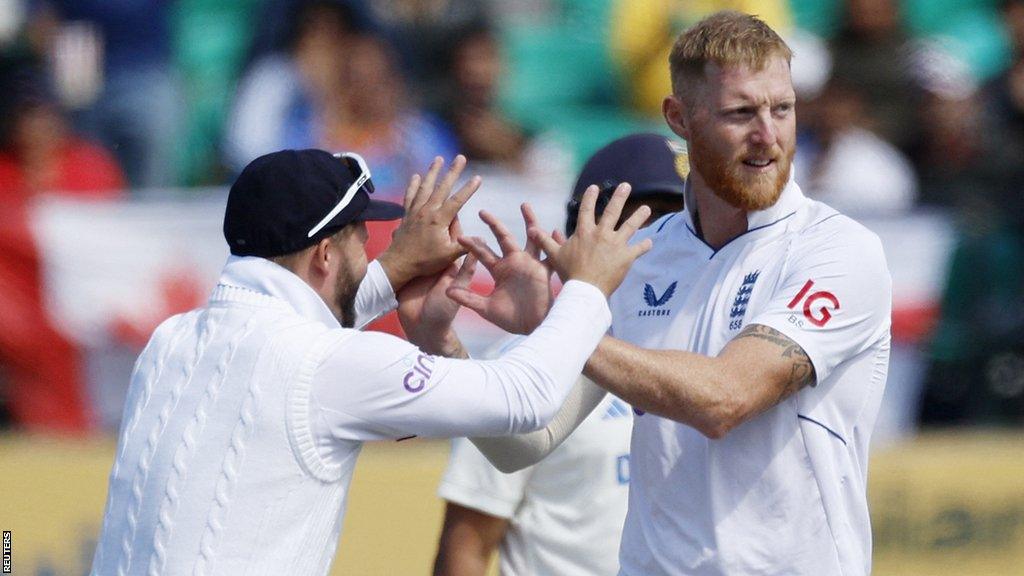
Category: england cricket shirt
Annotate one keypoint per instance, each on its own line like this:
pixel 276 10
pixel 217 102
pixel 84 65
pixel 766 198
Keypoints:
pixel 784 492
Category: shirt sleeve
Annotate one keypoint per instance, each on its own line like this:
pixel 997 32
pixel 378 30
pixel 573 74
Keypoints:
pixel 376 386
pixel 512 453
pixel 471 481
pixel 375 296
pixel 834 298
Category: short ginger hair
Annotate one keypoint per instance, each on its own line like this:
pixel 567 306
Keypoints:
pixel 726 38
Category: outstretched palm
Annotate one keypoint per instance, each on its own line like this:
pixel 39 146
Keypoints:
pixel 522 292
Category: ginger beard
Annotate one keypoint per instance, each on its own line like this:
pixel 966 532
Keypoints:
pixel 729 179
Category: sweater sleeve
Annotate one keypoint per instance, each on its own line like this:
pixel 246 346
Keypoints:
pixel 375 386
pixel 375 296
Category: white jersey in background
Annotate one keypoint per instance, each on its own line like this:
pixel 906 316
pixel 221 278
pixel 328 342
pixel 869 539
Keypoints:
pixel 785 492
pixel 565 513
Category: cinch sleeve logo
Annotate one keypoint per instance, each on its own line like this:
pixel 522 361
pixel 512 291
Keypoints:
pixel 416 378
pixel 816 305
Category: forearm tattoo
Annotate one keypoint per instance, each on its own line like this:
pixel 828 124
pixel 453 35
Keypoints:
pixel 801 370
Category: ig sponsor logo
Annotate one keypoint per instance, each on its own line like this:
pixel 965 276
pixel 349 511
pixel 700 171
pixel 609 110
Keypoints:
pixel 817 305
pixel 416 378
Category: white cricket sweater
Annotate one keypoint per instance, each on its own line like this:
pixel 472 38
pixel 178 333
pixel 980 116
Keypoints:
pixel 244 419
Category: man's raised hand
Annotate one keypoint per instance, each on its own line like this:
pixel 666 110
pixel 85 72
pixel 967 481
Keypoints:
pixel 597 253
pixel 522 284
pixel 426 242
pixel 426 313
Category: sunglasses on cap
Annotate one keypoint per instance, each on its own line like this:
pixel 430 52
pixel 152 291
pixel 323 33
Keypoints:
pixel 357 166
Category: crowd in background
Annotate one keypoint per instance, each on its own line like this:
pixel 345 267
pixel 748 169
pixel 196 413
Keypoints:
pixel 903 105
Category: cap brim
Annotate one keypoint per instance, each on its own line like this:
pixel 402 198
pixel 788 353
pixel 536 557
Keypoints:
pixel 377 211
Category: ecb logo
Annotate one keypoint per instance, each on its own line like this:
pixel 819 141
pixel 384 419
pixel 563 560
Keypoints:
pixel 739 304
pixel 817 307
pixel 416 378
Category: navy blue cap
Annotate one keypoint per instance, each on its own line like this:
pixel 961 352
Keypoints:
pixel 652 164
pixel 283 202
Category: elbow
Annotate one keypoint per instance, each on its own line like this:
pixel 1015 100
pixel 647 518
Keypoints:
pixel 723 416
pixel 714 430
pixel 509 466
pixel 544 414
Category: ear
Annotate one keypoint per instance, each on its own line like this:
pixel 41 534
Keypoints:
pixel 673 108
pixel 322 257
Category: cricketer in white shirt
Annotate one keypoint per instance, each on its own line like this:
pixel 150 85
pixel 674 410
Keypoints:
pixel 564 513
pixel 244 419
pixel 784 492
pixel 755 333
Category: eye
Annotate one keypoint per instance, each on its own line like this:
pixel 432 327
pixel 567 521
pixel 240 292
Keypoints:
pixel 741 113
pixel 783 109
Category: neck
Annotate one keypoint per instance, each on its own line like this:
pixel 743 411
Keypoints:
pixel 716 220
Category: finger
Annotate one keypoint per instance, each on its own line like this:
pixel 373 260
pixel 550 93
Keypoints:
pixel 477 247
pixel 545 241
pixel 455 228
pixel 466 271
pixel 588 203
pixel 410 192
pixel 451 271
pixel 635 221
pixel 467 298
pixel 452 205
pixel 427 183
pixel 613 210
pixel 447 278
pixel 640 248
pixel 440 193
pixel 502 234
pixel 530 220
pixel 559 237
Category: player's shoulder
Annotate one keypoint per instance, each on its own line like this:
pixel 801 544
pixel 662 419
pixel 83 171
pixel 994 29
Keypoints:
pixel 165 330
pixel 825 228
pixel 367 349
pixel 660 228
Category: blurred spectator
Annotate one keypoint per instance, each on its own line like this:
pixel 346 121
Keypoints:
pixel 974 162
pixel 39 153
pixel 285 93
pixel 871 52
pixel 275 23
pixel 211 40
pixel 643 31
pixel 112 63
pixel 374 116
pixel 1005 94
pixel 845 165
pixel 962 159
pixel 421 31
pixel 977 352
pixel 43 372
pixel 482 131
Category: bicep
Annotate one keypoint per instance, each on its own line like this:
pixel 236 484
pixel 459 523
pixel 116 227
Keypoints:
pixel 767 365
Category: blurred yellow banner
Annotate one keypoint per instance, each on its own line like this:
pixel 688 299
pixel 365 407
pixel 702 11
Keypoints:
pixel 942 504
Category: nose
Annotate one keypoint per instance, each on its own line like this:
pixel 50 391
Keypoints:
pixel 764 131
